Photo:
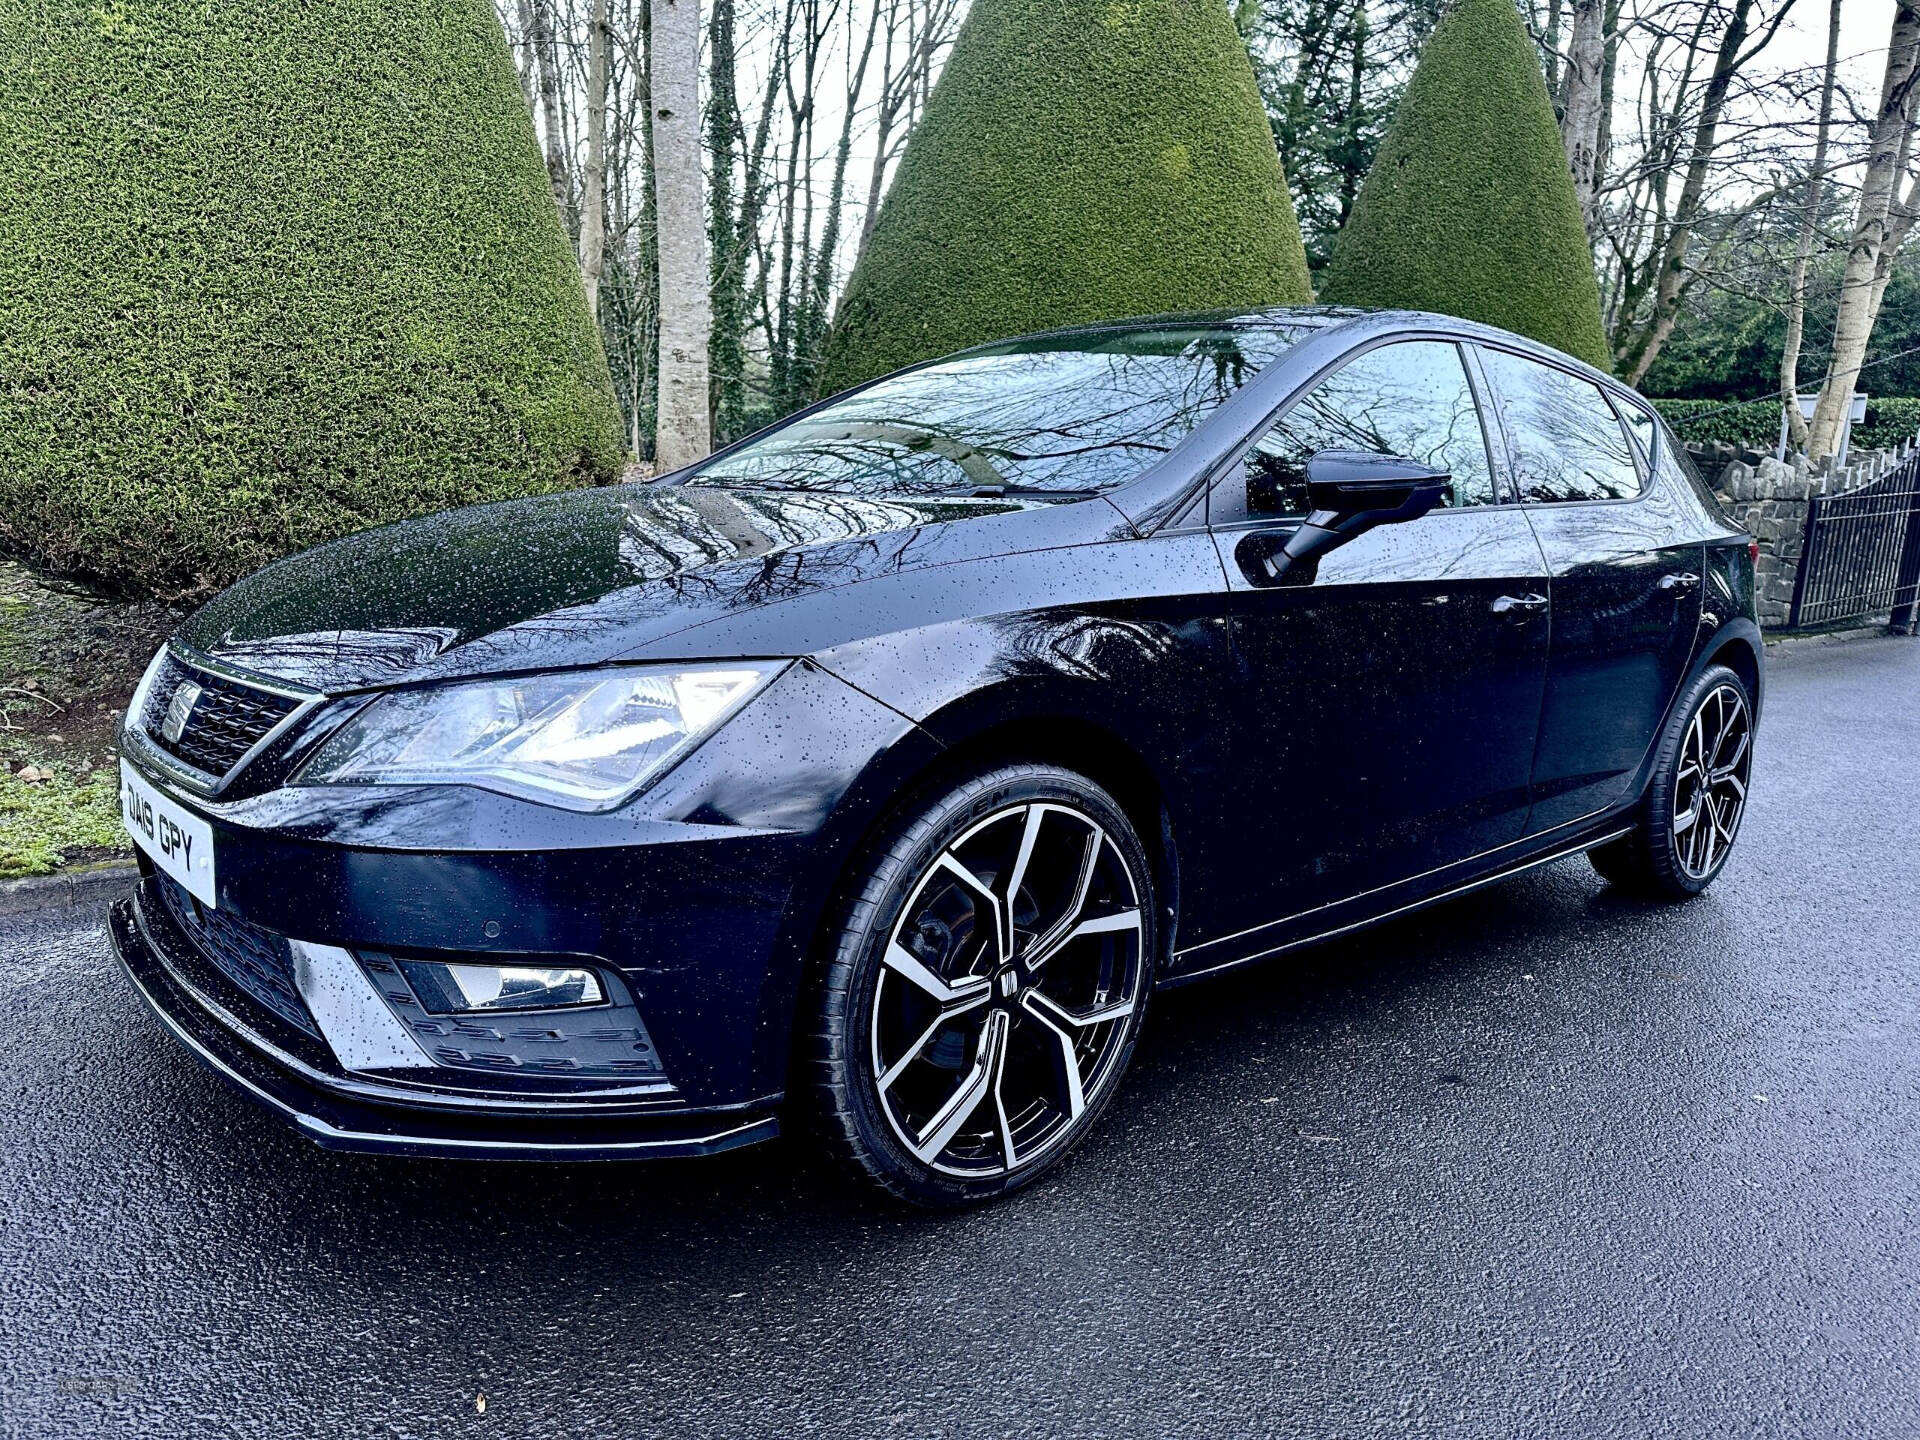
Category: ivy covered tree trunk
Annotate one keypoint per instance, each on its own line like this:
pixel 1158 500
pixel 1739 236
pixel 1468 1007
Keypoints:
pixel 728 267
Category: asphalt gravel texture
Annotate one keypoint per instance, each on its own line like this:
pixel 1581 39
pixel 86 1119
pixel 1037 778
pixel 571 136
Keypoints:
pixel 1537 1162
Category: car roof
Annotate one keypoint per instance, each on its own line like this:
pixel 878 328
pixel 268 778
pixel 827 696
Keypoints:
pixel 1276 318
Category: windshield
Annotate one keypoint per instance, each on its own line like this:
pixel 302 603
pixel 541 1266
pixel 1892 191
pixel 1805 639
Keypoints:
pixel 1065 416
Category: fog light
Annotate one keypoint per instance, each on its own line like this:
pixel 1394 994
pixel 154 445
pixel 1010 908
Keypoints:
pixel 449 989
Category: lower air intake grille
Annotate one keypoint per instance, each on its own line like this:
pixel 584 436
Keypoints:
pixel 258 961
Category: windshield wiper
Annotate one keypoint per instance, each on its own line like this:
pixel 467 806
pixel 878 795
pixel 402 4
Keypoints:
pixel 1023 492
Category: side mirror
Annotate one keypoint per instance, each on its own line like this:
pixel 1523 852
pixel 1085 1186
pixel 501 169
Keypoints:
pixel 1388 487
pixel 1352 491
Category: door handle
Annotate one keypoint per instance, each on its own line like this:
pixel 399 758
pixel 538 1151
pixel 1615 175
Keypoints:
pixel 1508 604
pixel 1679 581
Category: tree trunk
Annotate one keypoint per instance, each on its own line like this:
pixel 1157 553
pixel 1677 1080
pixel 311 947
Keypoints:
pixel 727 275
pixel 547 57
pixel 1580 126
pixel 681 428
pixel 1550 42
pixel 1351 164
pixel 1797 432
pixel 593 216
pixel 1853 326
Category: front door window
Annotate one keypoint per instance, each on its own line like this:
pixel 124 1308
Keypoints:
pixel 1411 398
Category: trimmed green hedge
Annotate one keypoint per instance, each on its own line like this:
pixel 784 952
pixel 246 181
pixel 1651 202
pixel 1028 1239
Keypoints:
pixel 1469 209
pixel 1079 160
pixel 1756 423
pixel 274 272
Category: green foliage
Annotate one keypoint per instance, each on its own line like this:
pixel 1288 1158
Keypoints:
pixel 1891 421
pixel 1331 72
pixel 270 273
pixel 1079 160
pixel 44 820
pixel 1469 209
pixel 1728 342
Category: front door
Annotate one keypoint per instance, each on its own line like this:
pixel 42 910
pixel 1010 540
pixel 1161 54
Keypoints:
pixel 1626 581
pixel 1387 710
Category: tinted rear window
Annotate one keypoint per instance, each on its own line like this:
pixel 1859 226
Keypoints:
pixel 1566 442
pixel 1067 416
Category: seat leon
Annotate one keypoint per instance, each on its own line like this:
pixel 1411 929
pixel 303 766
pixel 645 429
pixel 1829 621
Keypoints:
pixel 870 776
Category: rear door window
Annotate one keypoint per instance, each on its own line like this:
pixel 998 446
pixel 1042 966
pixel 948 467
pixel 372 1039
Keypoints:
pixel 1564 441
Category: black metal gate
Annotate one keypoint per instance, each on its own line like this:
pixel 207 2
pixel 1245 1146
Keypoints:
pixel 1861 554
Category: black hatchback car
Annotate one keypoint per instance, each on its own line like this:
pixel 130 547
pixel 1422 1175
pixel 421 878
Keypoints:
pixel 873 773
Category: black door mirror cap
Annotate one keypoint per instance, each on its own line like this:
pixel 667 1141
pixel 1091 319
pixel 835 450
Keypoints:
pixel 1351 482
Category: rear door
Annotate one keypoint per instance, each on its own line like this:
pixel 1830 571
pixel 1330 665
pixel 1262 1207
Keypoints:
pixel 1626 573
pixel 1384 714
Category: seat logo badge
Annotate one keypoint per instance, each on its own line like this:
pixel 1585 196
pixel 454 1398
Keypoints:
pixel 179 711
pixel 1009 982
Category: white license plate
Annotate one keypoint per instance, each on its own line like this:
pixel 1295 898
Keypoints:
pixel 174 838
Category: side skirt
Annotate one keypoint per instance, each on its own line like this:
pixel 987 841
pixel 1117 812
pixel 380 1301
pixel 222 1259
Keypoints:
pixel 1314 937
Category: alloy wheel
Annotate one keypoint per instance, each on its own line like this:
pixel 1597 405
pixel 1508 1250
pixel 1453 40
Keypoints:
pixel 1710 787
pixel 1003 1001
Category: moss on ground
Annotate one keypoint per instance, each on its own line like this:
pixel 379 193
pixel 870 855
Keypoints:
pixel 61 813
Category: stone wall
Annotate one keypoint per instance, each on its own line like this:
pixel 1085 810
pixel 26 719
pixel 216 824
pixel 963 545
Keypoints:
pixel 1768 498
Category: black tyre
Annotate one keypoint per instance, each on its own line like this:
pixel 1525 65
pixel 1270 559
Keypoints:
pixel 1697 796
pixel 981 997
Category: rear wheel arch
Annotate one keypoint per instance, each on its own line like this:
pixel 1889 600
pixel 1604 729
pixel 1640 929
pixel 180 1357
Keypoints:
pixel 1740 653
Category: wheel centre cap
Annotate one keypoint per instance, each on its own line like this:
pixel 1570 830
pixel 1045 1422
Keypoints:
pixel 1008 983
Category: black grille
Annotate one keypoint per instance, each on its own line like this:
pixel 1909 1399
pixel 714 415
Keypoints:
pixel 226 722
pixel 256 960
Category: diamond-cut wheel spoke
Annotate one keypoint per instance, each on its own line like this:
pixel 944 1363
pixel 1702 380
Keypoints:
pixel 1002 930
pixel 1067 1043
pixel 903 963
pixel 945 1016
pixel 1124 920
pixel 989 1054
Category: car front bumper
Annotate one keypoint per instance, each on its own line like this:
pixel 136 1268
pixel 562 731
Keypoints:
pixel 343 1111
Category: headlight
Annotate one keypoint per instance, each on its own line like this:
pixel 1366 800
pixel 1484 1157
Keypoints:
pixel 586 739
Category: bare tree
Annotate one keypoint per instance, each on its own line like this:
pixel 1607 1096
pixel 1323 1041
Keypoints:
pixel 800 95
pixel 1691 72
pixel 913 34
pixel 1803 245
pixel 593 200
pixel 681 428
pixel 1580 124
pixel 537 15
pixel 1875 220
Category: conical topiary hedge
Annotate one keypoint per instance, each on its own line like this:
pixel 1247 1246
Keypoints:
pixel 1469 209
pixel 1078 160
pixel 273 272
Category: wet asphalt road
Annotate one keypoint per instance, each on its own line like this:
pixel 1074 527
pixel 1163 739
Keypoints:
pixel 1539 1162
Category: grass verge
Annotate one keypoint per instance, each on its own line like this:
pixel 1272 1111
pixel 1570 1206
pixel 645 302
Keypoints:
pixel 69 659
